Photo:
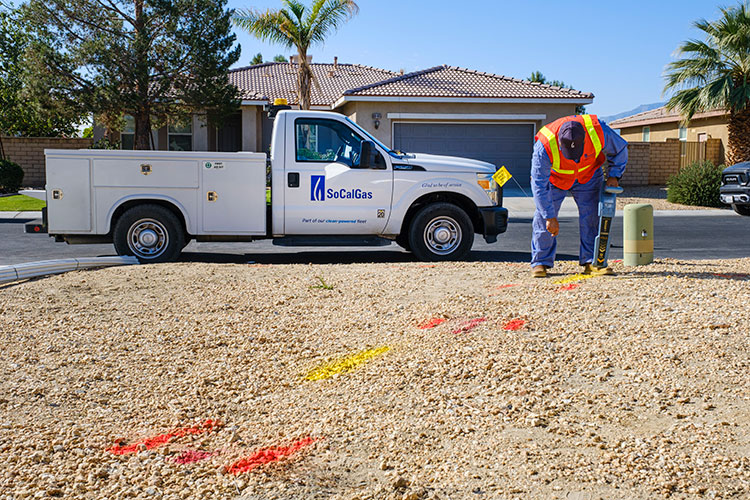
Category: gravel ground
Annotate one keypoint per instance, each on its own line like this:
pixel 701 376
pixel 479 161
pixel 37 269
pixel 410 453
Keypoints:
pixel 627 387
pixel 654 195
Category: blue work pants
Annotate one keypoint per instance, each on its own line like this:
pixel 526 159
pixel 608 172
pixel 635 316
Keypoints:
pixel 586 196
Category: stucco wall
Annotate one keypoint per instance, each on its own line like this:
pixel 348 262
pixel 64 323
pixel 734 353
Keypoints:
pixel 715 128
pixel 361 112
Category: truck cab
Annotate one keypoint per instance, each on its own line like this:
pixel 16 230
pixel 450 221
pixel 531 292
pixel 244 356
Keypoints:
pixel 330 179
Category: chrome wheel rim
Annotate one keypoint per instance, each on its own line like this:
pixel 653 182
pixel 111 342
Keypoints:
pixel 148 238
pixel 442 235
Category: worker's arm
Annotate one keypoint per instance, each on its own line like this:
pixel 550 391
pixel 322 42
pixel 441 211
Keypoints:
pixel 616 149
pixel 541 168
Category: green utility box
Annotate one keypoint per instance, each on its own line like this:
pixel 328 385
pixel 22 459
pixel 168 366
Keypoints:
pixel 638 235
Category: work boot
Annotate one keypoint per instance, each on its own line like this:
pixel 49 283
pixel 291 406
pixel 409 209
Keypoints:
pixel 539 271
pixel 599 271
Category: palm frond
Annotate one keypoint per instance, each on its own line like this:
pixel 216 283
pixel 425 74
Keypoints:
pixel 267 25
pixel 331 15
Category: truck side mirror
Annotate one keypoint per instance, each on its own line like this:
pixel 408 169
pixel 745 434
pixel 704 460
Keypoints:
pixel 370 157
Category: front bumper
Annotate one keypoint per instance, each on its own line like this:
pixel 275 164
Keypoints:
pixel 495 221
pixel 735 194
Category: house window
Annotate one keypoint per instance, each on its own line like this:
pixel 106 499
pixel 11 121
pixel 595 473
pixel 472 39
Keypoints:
pixel 683 133
pixel 646 134
pixel 127 134
pixel 180 136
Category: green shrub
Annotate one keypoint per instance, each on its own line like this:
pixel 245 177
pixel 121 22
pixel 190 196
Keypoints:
pixel 11 176
pixel 697 184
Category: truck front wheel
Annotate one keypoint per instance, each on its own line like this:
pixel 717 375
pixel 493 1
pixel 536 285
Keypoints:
pixel 441 231
pixel 741 209
pixel 150 232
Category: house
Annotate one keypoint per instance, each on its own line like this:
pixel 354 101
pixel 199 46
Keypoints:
pixel 660 124
pixel 441 110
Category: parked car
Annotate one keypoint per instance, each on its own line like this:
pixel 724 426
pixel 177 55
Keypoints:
pixel 735 187
pixel 331 182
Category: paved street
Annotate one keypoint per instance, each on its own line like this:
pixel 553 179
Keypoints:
pixel 698 236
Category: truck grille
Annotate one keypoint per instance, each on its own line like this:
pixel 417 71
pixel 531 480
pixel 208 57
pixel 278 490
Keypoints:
pixel 734 178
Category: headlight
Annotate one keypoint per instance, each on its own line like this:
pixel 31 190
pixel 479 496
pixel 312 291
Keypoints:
pixel 489 185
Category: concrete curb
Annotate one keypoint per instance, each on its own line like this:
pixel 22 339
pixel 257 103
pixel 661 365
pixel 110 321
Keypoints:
pixel 17 272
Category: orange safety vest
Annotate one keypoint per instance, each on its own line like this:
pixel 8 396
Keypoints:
pixel 565 172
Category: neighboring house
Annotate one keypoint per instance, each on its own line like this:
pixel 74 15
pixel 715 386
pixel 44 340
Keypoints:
pixel 441 110
pixel 659 124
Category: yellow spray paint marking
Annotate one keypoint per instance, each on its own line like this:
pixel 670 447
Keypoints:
pixel 346 364
pixel 574 278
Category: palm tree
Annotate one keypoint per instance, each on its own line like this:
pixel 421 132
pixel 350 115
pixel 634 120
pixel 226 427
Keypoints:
pixel 298 26
pixel 715 74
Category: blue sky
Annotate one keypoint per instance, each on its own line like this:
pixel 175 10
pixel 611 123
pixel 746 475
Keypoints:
pixel 617 50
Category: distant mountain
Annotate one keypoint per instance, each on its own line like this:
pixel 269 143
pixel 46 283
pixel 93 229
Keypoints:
pixel 635 111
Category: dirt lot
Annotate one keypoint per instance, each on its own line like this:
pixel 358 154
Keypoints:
pixel 221 381
pixel 655 196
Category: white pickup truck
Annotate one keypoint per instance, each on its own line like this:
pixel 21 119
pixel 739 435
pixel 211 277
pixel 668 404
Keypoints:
pixel 330 183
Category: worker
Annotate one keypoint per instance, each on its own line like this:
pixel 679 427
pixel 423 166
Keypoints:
pixel 569 155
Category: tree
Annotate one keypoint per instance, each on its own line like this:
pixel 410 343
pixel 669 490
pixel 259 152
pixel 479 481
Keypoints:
pixel 715 74
pixel 538 77
pixel 41 115
pixel 280 58
pixel 298 26
pixel 151 59
pixel 257 59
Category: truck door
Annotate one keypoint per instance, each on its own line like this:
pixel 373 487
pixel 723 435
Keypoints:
pixel 326 192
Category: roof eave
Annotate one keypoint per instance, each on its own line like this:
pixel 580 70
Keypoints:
pixel 625 123
pixel 464 100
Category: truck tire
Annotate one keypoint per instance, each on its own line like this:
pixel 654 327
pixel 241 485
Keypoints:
pixel 441 231
pixel 741 209
pixel 150 232
pixel 402 240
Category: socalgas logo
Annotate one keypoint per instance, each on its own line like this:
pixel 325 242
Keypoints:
pixel 318 191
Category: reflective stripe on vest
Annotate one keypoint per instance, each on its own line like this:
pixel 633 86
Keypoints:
pixel 555 151
pixel 594 138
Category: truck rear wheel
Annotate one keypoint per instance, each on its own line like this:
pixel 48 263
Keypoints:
pixel 150 232
pixel 441 231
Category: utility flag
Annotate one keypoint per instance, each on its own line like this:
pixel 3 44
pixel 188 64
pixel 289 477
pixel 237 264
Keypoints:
pixel 502 176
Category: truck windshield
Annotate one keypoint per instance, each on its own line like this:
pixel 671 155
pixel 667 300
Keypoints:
pixel 370 137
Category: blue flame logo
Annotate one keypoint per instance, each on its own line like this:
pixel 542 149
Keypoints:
pixel 318 188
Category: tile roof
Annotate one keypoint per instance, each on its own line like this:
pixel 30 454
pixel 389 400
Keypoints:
pixel 269 81
pixel 658 115
pixel 451 81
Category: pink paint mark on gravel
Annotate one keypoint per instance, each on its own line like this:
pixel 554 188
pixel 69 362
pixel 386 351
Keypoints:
pixel 469 325
pixel 192 456
pixel 431 323
pixel 515 324
pixel 571 286
pixel 427 266
pixel 268 455
pixel 617 261
pixel 732 275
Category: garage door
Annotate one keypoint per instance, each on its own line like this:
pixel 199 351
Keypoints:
pixel 499 144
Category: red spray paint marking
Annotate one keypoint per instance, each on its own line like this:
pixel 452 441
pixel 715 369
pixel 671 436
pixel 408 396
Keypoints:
pixel 192 456
pixel 268 455
pixel 515 324
pixel 427 266
pixel 571 286
pixel 502 287
pixel 162 439
pixel 617 261
pixel 432 323
pixel 470 325
pixel 731 275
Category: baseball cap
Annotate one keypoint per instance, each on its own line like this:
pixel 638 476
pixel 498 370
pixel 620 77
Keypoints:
pixel 572 137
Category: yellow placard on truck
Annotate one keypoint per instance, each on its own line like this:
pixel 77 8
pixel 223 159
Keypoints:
pixel 502 176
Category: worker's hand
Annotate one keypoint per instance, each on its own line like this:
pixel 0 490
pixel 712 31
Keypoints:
pixel 553 227
pixel 612 182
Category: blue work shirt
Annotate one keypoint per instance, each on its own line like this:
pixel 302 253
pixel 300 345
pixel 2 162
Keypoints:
pixel 615 147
